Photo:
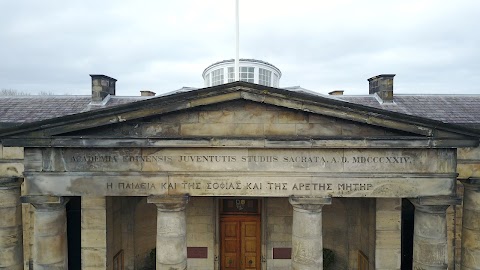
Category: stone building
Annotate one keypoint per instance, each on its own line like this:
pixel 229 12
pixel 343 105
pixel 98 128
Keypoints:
pixel 240 176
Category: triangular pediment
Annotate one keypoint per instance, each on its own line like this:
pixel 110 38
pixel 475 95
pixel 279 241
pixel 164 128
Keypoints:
pixel 235 111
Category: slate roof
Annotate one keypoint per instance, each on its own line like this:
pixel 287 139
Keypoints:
pixel 453 109
pixel 25 109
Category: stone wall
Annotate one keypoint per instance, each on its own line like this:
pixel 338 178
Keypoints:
pixel 278 230
pixel 120 230
pixel 388 233
pixel 145 233
pixel 201 230
pixel 11 161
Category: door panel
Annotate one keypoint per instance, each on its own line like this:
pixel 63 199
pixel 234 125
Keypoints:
pixel 240 242
pixel 249 240
pixel 230 245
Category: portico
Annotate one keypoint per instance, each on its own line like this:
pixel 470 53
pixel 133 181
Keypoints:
pixel 174 161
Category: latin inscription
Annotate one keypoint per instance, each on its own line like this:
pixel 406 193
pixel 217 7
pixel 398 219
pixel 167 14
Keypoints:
pixel 245 159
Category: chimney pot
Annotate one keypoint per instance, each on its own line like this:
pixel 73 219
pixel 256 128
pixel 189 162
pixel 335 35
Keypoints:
pixel 382 85
pixel 147 93
pixel 336 93
pixel 102 86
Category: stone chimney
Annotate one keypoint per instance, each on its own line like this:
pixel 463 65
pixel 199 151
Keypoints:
pixel 102 86
pixel 382 85
pixel 147 93
pixel 336 93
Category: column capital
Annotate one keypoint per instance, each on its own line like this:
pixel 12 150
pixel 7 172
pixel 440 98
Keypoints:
pixel 471 183
pixel 45 202
pixel 435 204
pixel 437 200
pixel 310 204
pixel 169 203
pixel 10 182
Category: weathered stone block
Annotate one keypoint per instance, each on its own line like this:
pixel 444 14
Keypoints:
pixel 13 153
pixel 469 153
pixel 388 239
pixel 389 204
pixel 10 236
pixel 11 169
pixel 10 216
pixel 280 129
pixel 317 130
pixel 216 117
pixel 388 220
pixel 388 258
pixel 162 129
pixel 93 202
pixel 93 257
pixel 94 238
pixel 221 129
pixel 50 249
pixel 11 257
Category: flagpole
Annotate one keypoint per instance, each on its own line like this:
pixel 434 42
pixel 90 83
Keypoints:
pixel 237 70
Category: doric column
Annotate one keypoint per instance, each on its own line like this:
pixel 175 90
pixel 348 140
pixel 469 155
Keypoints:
pixel 307 239
pixel 49 232
pixel 430 232
pixel 471 225
pixel 171 231
pixel 11 236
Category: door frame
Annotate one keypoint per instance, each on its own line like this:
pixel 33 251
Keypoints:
pixel 262 214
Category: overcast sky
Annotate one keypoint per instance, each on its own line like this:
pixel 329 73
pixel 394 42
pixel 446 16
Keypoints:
pixel 53 45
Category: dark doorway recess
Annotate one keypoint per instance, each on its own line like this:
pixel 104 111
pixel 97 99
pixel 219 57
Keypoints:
pixel 408 214
pixel 74 219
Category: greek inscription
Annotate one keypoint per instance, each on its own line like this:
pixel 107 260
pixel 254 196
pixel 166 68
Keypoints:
pixel 223 185
pixel 312 186
pixel 354 187
pixel 254 185
pixel 277 186
pixel 226 185
pixel 187 185
pixel 132 186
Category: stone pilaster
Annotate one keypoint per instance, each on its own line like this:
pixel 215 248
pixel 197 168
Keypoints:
pixel 171 231
pixel 94 233
pixel 307 238
pixel 430 232
pixel 388 232
pixel 11 234
pixel 49 232
pixel 471 225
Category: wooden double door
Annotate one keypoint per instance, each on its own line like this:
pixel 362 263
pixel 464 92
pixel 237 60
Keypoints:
pixel 240 242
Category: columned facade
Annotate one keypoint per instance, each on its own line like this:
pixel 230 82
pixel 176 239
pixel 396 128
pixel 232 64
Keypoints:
pixel 11 240
pixel 430 232
pixel 50 233
pixel 471 225
pixel 244 146
pixel 307 239
pixel 171 250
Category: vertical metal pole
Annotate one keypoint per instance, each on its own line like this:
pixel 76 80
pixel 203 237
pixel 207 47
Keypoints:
pixel 237 71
